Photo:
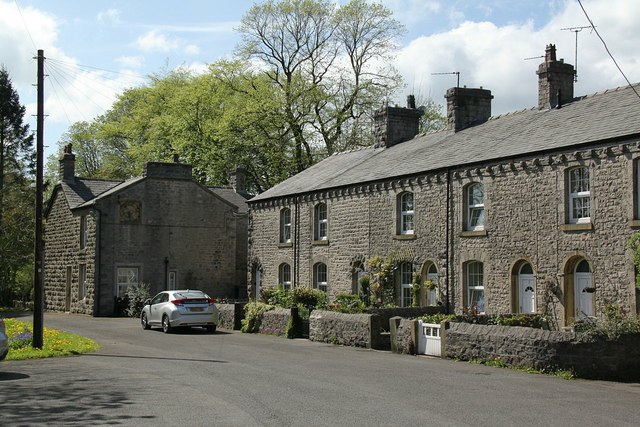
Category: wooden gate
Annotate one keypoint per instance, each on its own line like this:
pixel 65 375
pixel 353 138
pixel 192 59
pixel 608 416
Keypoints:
pixel 429 339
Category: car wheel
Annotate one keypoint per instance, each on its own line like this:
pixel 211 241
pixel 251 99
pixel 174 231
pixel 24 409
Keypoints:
pixel 144 321
pixel 166 326
pixel 211 329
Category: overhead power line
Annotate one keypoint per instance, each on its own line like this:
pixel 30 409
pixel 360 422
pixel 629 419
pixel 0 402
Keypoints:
pixel 607 48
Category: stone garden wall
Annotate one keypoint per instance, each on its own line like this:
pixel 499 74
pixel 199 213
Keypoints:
pixel 274 322
pixel 545 350
pixel 342 329
pixel 231 315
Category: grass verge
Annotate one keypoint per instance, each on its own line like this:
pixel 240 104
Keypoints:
pixel 55 343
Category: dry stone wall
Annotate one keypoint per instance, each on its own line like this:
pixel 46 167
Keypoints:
pixel 545 350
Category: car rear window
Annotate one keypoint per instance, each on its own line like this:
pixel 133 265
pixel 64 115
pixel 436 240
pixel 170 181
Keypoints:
pixel 192 296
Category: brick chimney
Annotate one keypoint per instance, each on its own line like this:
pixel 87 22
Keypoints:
pixel 555 80
pixel 467 107
pixel 67 168
pixel 393 125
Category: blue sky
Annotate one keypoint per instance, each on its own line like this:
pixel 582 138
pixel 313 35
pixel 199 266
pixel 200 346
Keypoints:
pixel 98 48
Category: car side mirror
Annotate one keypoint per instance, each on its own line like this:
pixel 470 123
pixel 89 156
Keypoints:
pixel 147 301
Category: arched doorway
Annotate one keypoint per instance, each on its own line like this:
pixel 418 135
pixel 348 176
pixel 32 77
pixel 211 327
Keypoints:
pixel 430 295
pixel 256 281
pixel 432 276
pixel 583 290
pixel 526 289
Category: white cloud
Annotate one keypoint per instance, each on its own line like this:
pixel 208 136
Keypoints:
pixel 72 92
pixel 412 11
pixel 130 62
pixel 192 49
pixel 154 41
pixel 493 57
pixel 110 16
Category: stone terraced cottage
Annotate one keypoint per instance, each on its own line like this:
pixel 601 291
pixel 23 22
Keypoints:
pixel 521 213
pixel 163 229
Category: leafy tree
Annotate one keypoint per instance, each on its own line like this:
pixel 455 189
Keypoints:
pixel 17 197
pixel 328 64
pixel 432 119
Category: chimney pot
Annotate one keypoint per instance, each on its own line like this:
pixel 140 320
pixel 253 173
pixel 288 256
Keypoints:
pixel 67 168
pixel 411 101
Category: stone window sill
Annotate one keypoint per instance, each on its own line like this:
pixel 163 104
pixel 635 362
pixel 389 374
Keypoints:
pixel 285 245
pixel 404 237
pixel 320 242
pixel 474 233
pixel 586 226
pixel 634 223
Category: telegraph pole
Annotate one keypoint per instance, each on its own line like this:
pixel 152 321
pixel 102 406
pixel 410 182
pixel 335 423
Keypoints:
pixel 38 285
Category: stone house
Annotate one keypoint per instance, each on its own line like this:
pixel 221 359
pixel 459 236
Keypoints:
pixel 521 213
pixel 162 229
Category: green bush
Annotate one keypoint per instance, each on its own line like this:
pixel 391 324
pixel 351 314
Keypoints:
pixel 253 312
pixel 471 315
pixel 437 318
pixel 614 323
pixel 307 297
pixel 276 296
pixel 348 303
pixel 537 321
pixel 136 296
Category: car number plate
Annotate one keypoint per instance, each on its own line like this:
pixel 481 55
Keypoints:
pixel 196 309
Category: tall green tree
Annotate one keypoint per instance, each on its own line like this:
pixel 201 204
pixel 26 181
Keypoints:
pixel 329 64
pixel 17 198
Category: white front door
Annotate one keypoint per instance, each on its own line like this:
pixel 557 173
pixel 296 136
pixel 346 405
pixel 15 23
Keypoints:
pixel 527 294
pixel 583 286
pixel 432 294
pixel 258 284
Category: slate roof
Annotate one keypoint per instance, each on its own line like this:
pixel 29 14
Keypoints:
pixel 608 115
pixel 81 190
pixel 230 195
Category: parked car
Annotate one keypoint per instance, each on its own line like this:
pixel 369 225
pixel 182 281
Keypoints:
pixel 4 340
pixel 172 309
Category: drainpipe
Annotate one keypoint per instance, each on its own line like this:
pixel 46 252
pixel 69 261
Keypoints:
pixel 166 273
pixel 98 262
pixel 296 243
pixel 448 242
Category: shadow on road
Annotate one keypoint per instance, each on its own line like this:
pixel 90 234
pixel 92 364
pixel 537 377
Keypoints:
pixel 10 376
pixel 67 402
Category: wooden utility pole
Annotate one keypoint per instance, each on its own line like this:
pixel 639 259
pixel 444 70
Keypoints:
pixel 38 285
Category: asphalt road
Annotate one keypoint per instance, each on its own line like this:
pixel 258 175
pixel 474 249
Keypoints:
pixel 140 378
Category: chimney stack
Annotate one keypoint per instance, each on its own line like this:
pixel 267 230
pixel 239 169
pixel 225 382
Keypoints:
pixel 467 107
pixel 393 125
pixel 555 80
pixel 67 168
pixel 237 180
